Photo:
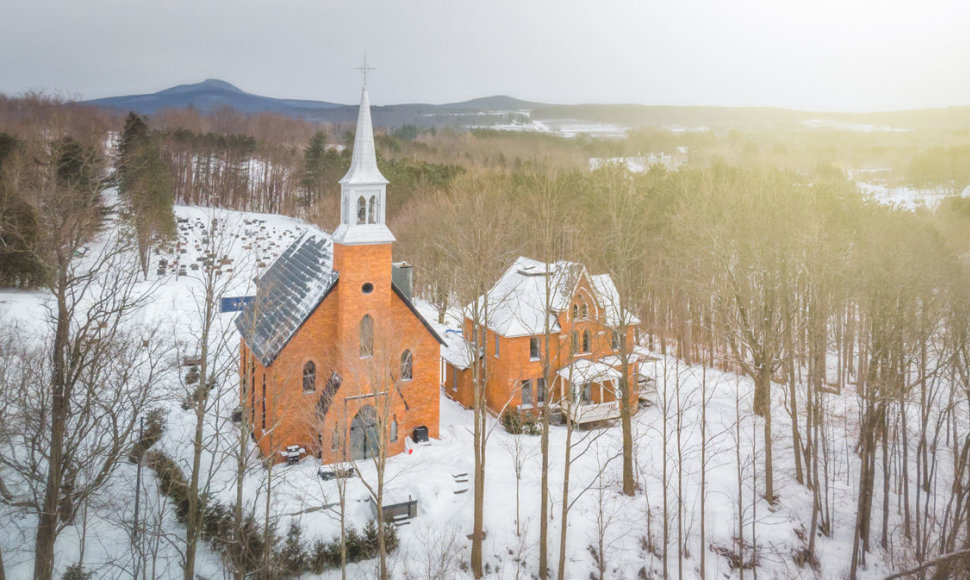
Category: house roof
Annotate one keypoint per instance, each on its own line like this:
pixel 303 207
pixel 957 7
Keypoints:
pixel 609 299
pixel 286 295
pixel 517 301
pixel 588 371
pixel 456 351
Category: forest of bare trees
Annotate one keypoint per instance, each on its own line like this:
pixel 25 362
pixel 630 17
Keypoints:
pixel 759 258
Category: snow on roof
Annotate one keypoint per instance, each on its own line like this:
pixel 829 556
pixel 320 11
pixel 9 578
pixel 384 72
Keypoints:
pixel 456 351
pixel 645 354
pixel 588 371
pixel 609 298
pixel 517 301
pixel 286 294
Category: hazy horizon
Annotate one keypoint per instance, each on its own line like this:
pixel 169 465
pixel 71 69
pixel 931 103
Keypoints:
pixel 825 56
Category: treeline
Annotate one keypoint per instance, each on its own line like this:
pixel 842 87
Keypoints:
pixel 945 168
pixel 50 188
pixel 225 159
pixel 242 172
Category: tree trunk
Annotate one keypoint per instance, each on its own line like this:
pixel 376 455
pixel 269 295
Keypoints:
pixel 60 402
pixel 479 443
pixel 629 484
pixel 763 383
pixel 564 513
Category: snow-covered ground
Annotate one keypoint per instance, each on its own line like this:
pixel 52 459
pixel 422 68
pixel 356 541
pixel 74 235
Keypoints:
pixel 902 196
pixel 873 183
pixel 631 526
pixel 522 121
pixel 854 127
pixel 643 163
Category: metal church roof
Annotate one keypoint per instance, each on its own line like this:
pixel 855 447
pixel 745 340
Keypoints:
pixel 286 295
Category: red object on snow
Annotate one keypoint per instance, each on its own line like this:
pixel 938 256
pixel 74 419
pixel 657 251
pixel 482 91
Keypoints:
pixel 410 451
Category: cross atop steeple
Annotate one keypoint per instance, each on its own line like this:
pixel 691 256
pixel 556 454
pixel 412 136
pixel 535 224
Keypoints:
pixel 364 69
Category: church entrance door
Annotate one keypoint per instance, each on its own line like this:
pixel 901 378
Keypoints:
pixel 364 440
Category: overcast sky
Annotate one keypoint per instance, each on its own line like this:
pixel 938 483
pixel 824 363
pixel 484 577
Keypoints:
pixel 853 55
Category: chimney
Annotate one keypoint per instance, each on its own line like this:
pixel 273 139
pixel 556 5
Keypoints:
pixel 402 275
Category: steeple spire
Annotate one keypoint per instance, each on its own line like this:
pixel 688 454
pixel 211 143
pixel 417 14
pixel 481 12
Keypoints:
pixel 363 164
pixel 363 188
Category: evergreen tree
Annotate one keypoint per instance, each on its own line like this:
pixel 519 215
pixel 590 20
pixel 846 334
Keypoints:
pixel 19 265
pixel 145 184
pixel 323 166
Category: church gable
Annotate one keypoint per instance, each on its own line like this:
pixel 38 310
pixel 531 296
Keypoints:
pixel 414 311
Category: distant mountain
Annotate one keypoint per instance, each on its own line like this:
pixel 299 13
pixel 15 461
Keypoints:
pixel 496 103
pixel 502 111
pixel 212 94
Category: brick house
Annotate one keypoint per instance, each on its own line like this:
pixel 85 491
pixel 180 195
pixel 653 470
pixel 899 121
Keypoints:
pixel 332 350
pixel 587 332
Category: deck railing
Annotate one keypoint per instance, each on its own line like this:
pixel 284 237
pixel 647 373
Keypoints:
pixel 591 412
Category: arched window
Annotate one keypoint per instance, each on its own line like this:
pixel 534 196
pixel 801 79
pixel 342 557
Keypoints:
pixel 585 341
pixel 394 429
pixel 361 210
pixel 575 311
pixel 407 366
pixel 372 210
pixel 366 336
pixel 309 377
pixel 584 311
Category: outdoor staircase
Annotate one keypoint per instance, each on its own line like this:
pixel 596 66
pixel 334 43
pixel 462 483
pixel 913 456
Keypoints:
pixel 461 483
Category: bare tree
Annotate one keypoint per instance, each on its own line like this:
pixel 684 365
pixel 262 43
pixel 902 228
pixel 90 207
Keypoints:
pixel 478 225
pixel 438 558
pixel 622 251
pixel 381 387
pixel 211 379
pixel 82 430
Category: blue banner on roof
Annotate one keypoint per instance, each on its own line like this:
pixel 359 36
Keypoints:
pixel 234 303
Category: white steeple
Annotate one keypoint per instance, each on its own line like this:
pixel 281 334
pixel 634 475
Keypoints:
pixel 363 189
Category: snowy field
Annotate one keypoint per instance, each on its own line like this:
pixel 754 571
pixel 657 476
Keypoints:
pixel 522 121
pixel 873 183
pixel 849 126
pixel 631 528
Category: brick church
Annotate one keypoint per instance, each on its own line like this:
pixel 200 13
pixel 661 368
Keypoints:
pixel 335 360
